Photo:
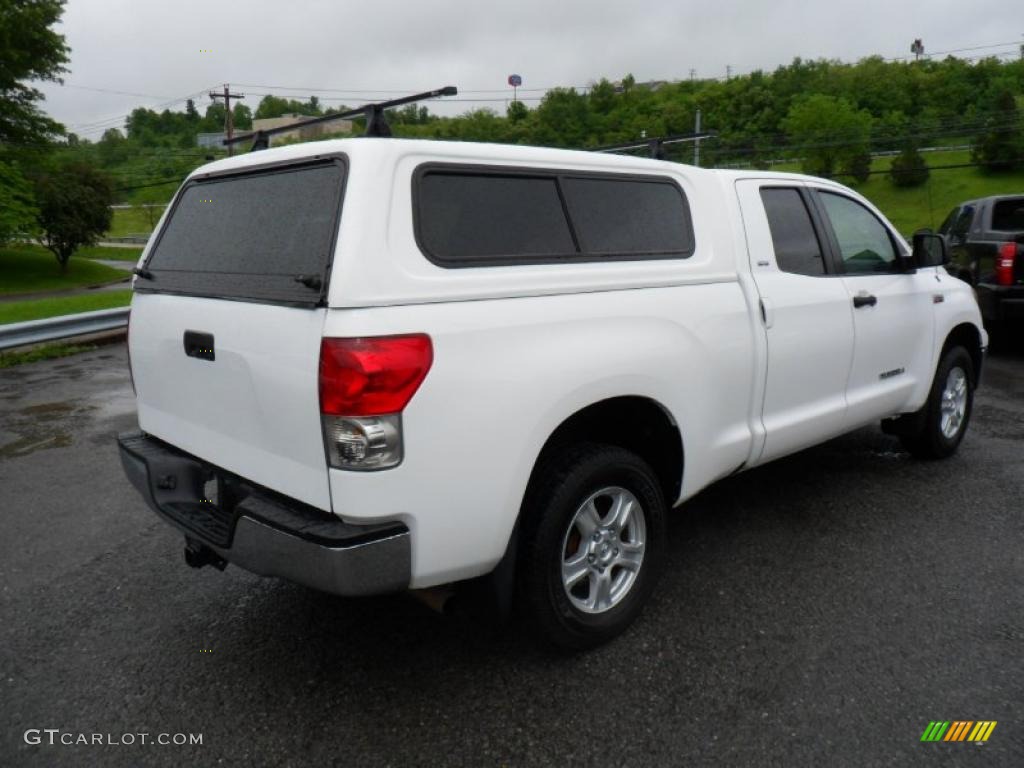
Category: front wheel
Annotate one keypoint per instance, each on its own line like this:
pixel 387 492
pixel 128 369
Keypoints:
pixel 593 544
pixel 940 425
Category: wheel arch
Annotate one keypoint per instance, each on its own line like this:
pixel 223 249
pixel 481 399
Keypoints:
pixel 968 336
pixel 636 423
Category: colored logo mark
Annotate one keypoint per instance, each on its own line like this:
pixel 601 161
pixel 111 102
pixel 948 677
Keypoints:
pixel 958 730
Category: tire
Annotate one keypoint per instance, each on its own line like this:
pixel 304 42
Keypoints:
pixel 568 520
pixel 940 425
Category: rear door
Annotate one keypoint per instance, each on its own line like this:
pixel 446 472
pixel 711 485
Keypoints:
pixel 805 313
pixel 226 324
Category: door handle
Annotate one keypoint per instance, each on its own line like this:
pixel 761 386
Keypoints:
pixel 864 300
pixel 199 344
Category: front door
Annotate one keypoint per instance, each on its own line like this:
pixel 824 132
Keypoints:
pixel 891 308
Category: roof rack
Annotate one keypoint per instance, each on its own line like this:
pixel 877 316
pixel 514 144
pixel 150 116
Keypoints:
pixel 656 146
pixel 376 123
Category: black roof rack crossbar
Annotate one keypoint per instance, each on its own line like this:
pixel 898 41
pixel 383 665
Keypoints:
pixel 655 146
pixel 376 124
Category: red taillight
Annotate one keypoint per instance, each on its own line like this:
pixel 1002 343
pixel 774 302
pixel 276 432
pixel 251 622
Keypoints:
pixel 372 376
pixel 1004 263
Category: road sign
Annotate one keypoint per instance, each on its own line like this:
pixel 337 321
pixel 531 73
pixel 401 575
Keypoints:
pixel 515 81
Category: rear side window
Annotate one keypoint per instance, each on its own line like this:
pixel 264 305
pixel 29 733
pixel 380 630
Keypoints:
pixel 797 248
pixel 468 217
pixel 265 236
pixel 1008 215
pixel 629 216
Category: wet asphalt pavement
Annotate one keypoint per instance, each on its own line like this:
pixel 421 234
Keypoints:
pixel 819 611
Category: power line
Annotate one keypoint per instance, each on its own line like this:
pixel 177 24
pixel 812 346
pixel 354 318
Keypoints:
pixel 108 90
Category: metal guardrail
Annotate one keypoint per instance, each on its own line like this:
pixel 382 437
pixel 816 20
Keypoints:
pixel 63 327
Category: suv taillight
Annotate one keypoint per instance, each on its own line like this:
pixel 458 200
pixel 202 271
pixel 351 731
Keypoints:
pixel 365 383
pixel 1004 263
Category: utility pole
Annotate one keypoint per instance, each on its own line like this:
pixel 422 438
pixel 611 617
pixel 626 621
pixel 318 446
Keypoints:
pixel 693 72
pixel 229 127
pixel 728 72
pixel 696 142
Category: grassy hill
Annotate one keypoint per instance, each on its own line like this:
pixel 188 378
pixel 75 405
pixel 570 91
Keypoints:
pixel 909 209
pixel 926 206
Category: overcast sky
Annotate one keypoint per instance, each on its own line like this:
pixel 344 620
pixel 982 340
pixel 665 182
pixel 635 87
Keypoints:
pixel 157 49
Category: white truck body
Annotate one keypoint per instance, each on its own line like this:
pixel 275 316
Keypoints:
pixel 747 361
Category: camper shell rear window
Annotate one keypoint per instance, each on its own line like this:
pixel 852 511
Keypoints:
pixel 474 216
pixel 266 234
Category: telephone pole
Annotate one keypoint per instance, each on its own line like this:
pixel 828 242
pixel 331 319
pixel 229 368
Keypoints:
pixel 229 127
pixel 696 142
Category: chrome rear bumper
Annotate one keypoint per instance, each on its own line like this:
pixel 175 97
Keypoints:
pixel 262 531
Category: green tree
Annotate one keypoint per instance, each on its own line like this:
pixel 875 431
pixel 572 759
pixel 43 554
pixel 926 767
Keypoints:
pixel 112 147
pixel 150 203
pixel 516 111
pixel 17 206
pixel 74 202
pixel 858 166
pixel 829 132
pixel 909 168
pixel 241 116
pixel 1001 147
pixel 29 50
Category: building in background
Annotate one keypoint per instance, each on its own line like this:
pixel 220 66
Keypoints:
pixel 309 133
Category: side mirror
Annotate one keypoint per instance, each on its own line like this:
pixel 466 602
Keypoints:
pixel 929 250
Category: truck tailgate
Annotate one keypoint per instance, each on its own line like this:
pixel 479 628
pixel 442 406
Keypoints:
pixel 253 408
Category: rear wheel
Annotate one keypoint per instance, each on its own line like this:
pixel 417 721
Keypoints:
pixel 593 544
pixel 939 427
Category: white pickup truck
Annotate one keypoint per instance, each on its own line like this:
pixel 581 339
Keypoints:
pixel 372 365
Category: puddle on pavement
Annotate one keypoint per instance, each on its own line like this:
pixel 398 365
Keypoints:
pixel 43 426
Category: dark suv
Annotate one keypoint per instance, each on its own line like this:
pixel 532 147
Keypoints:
pixel 986 246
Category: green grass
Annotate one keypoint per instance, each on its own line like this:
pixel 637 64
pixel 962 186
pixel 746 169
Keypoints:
pixel 926 206
pixel 30 268
pixel 43 352
pixel 37 309
pixel 129 221
pixel 108 252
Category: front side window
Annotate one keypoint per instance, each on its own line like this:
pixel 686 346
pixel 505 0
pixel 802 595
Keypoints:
pixel 947 224
pixel 962 225
pixel 865 244
pixel 797 249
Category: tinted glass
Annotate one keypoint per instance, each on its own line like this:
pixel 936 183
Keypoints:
pixel 947 224
pixel 624 216
pixel 1008 215
pixel 473 218
pixel 250 236
pixel 962 225
pixel 797 248
pixel 864 242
